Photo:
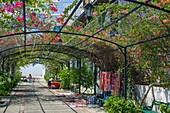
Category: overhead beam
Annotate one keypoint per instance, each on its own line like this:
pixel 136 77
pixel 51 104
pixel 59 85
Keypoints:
pixel 149 5
pixel 70 47
pixel 70 33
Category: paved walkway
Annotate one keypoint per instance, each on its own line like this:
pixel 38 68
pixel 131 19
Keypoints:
pixel 37 98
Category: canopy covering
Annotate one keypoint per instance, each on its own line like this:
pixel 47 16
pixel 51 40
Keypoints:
pixel 31 28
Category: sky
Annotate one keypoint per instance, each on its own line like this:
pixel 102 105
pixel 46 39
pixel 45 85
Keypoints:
pixel 38 69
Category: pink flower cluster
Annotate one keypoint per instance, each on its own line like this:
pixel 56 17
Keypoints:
pixel 33 16
pixel 57 37
pixel 77 27
pixel 20 18
pixel 53 8
pixel 10 7
pixel 18 4
pixel 58 19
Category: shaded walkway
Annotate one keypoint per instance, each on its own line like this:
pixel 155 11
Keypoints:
pixel 37 98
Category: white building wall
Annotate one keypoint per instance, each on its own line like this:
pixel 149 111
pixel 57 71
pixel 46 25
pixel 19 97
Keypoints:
pixel 157 93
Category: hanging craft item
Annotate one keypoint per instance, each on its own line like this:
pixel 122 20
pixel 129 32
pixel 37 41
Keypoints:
pixel 109 81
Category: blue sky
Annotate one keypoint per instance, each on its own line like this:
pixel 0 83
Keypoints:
pixel 63 4
pixel 38 69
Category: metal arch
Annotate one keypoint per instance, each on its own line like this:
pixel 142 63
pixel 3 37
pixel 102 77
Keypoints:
pixel 50 57
pixel 71 33
pixel 92 36
pixel 144 41
pixel 149 5
pixel 17 53
pixel 134 9
pixel 71 47
pixel 73 11
pixel 36 57
pixel 20 52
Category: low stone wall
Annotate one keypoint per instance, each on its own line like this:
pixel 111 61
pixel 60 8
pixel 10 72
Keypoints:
pixel 157 93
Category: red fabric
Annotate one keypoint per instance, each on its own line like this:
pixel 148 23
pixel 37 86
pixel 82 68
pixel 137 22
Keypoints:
pixel 109 81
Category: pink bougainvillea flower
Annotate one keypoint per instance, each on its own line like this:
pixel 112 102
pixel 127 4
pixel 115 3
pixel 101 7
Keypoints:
pixel 159 32
pixel 118 35
pixel 134 49
pixel 77 27
pixel 52 8
pixel 68 24
pixel 1 40
pixel 94 13
pixel 158 4
pixel 33 15
pixel 44 15
pixel 97 30
pixel 7 3
pixel 58 19
pixel 165 21
pixel 28 41
pixel 125 11
pixel 5 9
pixel 20 18
pixel 62 22
pixel 40 22
pixel 151 17
pixel 115 14
pixel 18 4
pixel 57 37
pixel 61 15
pixel 8 7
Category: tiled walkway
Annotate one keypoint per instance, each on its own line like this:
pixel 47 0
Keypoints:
pixel 37 98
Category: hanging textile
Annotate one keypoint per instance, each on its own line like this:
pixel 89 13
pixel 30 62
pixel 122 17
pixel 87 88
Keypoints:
pixel 109 81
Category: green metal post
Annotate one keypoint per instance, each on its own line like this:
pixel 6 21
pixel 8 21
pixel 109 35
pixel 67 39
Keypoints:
pixel 125 73
pixel 79 76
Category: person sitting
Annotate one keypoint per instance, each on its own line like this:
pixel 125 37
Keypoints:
pixel 30 78
pixel 49 82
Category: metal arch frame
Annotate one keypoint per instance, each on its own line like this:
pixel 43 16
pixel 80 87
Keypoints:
pixel 32 56
pixel 119 46
pixel 71 33
pixel 71 47
pixel 22 52
pixel 141 4
pixel 125 47
pixel 152 6
pixel 149 40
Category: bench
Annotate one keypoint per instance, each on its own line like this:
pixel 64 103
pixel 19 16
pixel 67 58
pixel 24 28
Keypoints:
pixel 148 109
pixel 55 85
pixel 100 101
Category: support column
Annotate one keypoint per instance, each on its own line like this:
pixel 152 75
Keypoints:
pixel 3 62
pixel 125 73
pixel 79 76
pixel 62 66
pixel 68 65
pixel 95 78
pixel 13 69
pixel 7 67
pixel 24 14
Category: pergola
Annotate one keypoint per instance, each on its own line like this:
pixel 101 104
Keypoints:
pixel 32 31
